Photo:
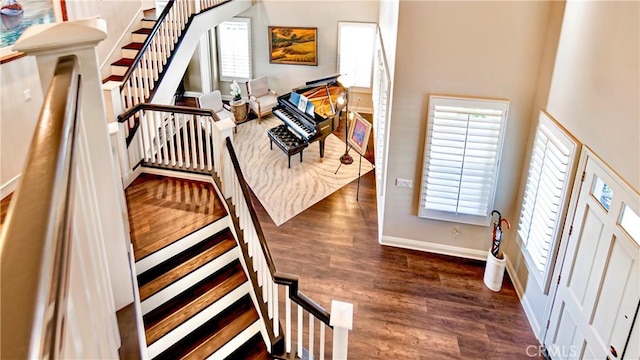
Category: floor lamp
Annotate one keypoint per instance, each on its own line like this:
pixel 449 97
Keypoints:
pixel 346 82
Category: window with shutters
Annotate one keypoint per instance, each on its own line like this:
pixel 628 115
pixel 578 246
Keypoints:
pixel 356 42
pixel 462 155
pixel 546 194
pixel 234 49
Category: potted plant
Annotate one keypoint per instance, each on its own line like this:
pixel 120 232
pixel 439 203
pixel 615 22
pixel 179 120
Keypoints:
pixel 236 93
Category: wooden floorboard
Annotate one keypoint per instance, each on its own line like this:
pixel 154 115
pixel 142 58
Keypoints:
pixel 407 304
pixel 163 210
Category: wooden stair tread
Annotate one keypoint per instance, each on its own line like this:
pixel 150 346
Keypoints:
pixel 133 46
pixel 142 31
pixel 123 62
pixel 181 308
pixel 212 335
pixel 113 78
pixel 166 273
pixel 253 349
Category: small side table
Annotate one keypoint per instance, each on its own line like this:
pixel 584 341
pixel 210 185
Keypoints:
pixel 239 110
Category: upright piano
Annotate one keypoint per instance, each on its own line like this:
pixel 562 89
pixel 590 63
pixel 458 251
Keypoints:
pixel 323 94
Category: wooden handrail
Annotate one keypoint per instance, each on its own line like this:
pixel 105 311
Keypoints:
pixel 148 40
pixel 301 299
pixel 279 278
pixel 167 108
pixel 36 238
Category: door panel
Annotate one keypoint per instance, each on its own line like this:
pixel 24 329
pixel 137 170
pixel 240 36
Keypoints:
pixel 586 254
pixel 598 291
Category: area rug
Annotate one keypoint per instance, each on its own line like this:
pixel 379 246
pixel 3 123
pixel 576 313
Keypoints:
pixel 285 192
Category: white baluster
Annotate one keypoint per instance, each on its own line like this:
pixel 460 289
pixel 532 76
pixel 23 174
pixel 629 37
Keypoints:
pixel 172 131
pixel 269 294
pixel 300 327
pixel 157 127
pixel 178 121
pixel 311 318
pixel 163 131
pixel 276 313
pixel 287 326
pixel 194 143
pixel 144 75
pixel 208 142
pixel 322 329
pixel 185 141
pixel 145 127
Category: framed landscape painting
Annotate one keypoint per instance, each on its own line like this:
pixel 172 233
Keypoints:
pixel 293 45
pixel 17 15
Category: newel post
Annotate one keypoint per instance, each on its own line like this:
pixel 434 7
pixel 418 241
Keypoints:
pixel 342 322
pixel 47 43
pixel 222 161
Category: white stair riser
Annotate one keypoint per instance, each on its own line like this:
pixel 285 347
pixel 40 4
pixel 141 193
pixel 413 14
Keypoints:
pixel 202 317
pixel 118 70
pixel 129 53
pixel 179 246
pixel 236 342
pixel 147 24
pixel 138 37
pixel 189 280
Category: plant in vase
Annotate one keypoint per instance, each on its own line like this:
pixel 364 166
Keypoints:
pixel 235 91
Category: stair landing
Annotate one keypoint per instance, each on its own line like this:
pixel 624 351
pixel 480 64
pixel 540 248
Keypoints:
pixel 163 210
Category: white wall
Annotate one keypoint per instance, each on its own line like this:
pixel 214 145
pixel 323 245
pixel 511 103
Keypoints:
pixel 533 298
pixel 18 117
pixel 311 13
pixel 595 91
pixel 487 49
pixel 119 15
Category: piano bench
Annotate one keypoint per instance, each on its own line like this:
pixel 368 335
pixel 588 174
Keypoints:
pixel 287 141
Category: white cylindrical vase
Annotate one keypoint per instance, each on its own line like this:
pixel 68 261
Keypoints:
pixel 494 271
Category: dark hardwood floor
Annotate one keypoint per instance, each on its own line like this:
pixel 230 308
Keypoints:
pixel 407 304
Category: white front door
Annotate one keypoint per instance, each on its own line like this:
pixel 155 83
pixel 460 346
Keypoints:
pixel 598 294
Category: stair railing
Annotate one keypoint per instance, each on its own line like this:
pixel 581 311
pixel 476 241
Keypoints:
pixel 149 64
pixel 273 287
pixel 56 296
pixel 171 137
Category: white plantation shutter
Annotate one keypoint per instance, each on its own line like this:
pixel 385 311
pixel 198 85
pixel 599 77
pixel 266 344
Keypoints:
pixel 546 192
pixel 234 49
pixel 356 43
pixel 462 157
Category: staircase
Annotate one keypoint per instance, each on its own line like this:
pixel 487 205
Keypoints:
pixel 130 51
pixel 196 297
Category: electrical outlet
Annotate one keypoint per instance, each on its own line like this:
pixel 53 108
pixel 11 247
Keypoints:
pixel 27 95
pixel 455 233
pixel 406 183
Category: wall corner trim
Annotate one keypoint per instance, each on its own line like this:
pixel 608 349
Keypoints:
pixel 9 187
pixel 524 301
pixel 434 247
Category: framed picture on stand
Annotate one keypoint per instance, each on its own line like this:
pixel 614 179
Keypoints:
pixel 359 131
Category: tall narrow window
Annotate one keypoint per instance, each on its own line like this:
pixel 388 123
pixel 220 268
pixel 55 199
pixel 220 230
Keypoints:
pixel 462 157
pixel 234 49
pixel 545 197
pixel 356 43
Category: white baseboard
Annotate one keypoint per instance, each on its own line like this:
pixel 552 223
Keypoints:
pixel 176 174
pixel 434 248
pixel 9 187
pixel 524 301
pixel 127 179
